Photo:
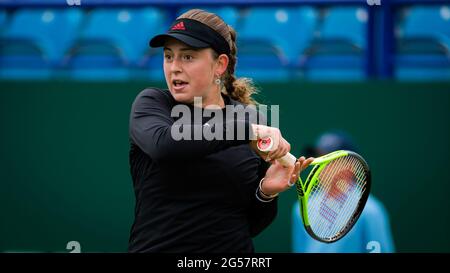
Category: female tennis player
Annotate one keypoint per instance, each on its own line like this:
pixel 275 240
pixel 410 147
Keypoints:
pixel 197 194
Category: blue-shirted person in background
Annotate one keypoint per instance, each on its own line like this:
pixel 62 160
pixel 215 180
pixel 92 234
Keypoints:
pixel 372 232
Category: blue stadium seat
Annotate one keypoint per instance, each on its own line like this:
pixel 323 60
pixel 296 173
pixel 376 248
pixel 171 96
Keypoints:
pixel 52 30
pixel 269 39
pixel 116 39
pixel 20 59
pixel 150 66
pixel 333 60
pixel 3 19
pixel 290 29
pixel 337 53
pixel 423 49
pixel 437 25
pixel 347 23
pixel 261 62
pixel 35 41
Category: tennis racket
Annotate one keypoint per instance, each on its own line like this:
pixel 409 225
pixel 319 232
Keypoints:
pixel 334 194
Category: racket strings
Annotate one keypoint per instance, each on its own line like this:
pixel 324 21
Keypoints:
pixel 345 206
pixel 332 217
pixel 328 213
pixel 335 197
pixel 341 206
pixel 353 200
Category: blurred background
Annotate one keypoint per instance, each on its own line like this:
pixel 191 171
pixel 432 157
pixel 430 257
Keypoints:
pixel 70 69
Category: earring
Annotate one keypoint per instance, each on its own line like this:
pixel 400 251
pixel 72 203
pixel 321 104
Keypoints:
pixel 218 81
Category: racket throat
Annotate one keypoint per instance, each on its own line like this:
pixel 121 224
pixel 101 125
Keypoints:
pixel 300 187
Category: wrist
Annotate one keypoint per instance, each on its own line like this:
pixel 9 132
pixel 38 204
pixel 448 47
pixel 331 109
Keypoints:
pixel 262 198
pixel 265 193
pixel 255 132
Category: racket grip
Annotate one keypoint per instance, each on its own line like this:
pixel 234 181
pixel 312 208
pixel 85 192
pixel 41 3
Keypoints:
pixel 266 145
pixel 287 160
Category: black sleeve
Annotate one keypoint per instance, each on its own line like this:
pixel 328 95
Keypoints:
pixel 151 125
pixel 261 214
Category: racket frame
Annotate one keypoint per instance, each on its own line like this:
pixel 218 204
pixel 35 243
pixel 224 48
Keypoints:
pixel 305 188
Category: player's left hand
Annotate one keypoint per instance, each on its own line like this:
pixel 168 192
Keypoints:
pixel 280 178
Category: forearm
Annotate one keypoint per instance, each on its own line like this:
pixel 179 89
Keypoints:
pixel 262 215
pixel 163 141
pixel 159 135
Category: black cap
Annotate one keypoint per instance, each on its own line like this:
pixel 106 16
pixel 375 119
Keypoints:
pixel 194 34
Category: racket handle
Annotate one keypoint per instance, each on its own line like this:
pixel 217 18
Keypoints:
pixel 287 160
pixel 266 145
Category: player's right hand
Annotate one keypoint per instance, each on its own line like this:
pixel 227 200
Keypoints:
pixel 280 146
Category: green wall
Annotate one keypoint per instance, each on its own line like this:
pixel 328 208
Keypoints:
pixel 64 172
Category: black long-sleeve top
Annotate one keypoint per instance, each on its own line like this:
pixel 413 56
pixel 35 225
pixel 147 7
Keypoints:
pixel 192 195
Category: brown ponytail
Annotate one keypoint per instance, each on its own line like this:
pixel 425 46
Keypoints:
pixel 240 89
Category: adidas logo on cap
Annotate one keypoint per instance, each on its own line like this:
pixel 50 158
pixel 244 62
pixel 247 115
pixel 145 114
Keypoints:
pixel 179 26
